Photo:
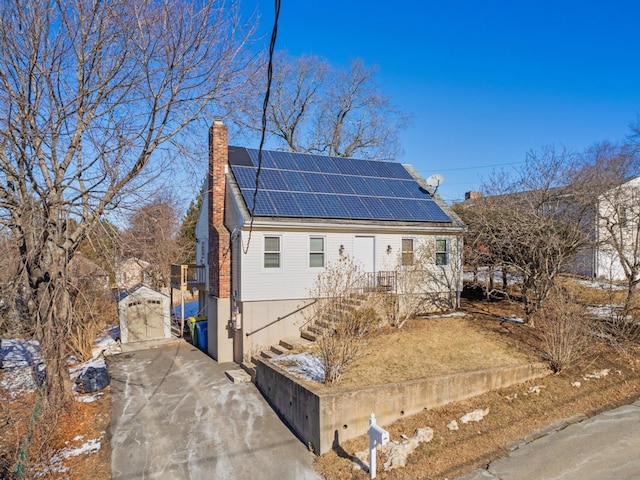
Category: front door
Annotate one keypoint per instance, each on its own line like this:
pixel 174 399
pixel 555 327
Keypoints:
pixel 364 252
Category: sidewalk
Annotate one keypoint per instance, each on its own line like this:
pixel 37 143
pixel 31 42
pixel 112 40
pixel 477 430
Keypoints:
pixel 177 416
pixel 604 447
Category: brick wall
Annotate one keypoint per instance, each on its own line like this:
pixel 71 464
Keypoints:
pixel 219 238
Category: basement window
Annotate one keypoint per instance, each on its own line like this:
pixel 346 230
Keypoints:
pixel 272 252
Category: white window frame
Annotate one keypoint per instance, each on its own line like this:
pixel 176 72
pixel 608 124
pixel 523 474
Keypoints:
pixel 311 253
pixel 439 253
pixel 403 253
pixel 265 252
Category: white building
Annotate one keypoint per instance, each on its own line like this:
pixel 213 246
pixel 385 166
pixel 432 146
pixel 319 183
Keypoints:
pixel 310 210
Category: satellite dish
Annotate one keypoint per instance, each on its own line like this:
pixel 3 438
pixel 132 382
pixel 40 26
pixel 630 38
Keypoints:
pixel 435 180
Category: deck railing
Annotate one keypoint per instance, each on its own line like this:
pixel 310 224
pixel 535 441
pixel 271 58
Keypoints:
pixel 188 277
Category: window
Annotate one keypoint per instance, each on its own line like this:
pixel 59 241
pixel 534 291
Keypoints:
pixel 442 252
pixel 271 252
pixel 316 252
pixel 622 215
pixel 407 251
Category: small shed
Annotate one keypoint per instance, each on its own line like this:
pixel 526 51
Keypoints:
pixel 144 314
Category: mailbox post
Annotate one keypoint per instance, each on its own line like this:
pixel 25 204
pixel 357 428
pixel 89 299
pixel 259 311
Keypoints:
pixel 377 436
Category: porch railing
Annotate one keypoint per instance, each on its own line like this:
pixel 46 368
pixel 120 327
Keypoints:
pixel 377 282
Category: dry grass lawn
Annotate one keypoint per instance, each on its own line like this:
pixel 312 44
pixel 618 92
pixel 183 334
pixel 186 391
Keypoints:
pixel 480 340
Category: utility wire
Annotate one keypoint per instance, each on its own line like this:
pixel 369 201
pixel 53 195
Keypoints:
pixel 265 106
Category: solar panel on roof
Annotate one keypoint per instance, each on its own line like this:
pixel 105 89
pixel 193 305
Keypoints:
pixel 303 185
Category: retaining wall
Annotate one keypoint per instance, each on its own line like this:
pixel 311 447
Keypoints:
pixel 324 419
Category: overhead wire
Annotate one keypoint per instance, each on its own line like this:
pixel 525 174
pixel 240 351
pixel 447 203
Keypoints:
pixel 265 106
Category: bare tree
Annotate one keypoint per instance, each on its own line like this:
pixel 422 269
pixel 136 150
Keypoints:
pixel 316 107
pixel 152 236
pixel 91 94
pixel 533 224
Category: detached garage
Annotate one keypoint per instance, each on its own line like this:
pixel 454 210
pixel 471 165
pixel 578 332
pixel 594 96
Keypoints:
pixel 144 314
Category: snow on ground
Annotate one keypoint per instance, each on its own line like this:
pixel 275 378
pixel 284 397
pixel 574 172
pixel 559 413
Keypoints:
pixel 55 463
pixel 601 284
pixel 444 315
pixel 21 361
pixel 604 311
pixel 302 365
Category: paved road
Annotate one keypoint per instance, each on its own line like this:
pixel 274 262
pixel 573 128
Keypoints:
pixel 176 416
pixel 605 447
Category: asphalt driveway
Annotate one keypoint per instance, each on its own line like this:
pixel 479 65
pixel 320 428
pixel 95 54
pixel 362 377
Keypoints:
pixel 177 416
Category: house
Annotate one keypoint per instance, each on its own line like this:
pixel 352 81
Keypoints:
pixel 131 272
pixel 611 224
pixel 310 210
pixel 616 233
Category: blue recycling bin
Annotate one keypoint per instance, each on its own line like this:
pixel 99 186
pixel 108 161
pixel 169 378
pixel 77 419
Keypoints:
pixel 202 334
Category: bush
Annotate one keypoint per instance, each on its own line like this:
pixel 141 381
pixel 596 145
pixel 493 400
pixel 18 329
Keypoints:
pixel 344 341
pixel 564 329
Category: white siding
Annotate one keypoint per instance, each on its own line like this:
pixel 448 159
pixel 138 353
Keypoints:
pixel 295 278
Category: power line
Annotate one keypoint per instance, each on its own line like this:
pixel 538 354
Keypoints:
pixel 474 167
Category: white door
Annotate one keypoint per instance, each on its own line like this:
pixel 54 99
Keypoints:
pixel 364 252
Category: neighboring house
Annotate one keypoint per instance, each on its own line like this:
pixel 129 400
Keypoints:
pixel 617 230
pixel 131 272
pixel 613 226
pixel 309 211
pixel 86 272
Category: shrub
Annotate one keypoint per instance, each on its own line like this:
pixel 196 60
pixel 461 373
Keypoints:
pixel 564 329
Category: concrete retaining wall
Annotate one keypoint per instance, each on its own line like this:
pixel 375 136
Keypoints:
pixel 323 419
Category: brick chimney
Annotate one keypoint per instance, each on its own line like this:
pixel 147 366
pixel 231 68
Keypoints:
pixel 219 238
pixel 472 195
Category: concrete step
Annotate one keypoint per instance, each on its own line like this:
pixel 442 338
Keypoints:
pixel 294 343
pixel 317 329
pixel 238 376
pixel 278 349
pixel 268 354
pixel 250 368
pixel 307 335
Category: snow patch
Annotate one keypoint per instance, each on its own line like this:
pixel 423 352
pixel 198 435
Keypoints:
pixel 452 426
pixel 304 365
pixel 474 416
pixel 597 374
pixel 512 319
pixel 445 315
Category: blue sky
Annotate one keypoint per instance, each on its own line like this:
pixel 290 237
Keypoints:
pixel 485 82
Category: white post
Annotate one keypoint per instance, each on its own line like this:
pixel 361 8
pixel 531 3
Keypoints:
pixel 372 447
pixel 377 436
pixel 182 314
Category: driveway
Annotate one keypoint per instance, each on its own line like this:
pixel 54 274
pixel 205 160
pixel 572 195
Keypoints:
pixel 177 416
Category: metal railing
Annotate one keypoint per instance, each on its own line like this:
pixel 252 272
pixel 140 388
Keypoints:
pixel 280 318
pixel 377 282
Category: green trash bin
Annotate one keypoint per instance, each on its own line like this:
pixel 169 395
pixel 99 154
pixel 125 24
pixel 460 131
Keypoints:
pixel 192 328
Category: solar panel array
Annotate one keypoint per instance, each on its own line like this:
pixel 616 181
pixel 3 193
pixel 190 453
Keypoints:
pixel 315 186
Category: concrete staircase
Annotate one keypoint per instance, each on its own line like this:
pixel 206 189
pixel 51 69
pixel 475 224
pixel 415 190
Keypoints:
pixel 313 331
pixel 308 334
pixel 285 346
